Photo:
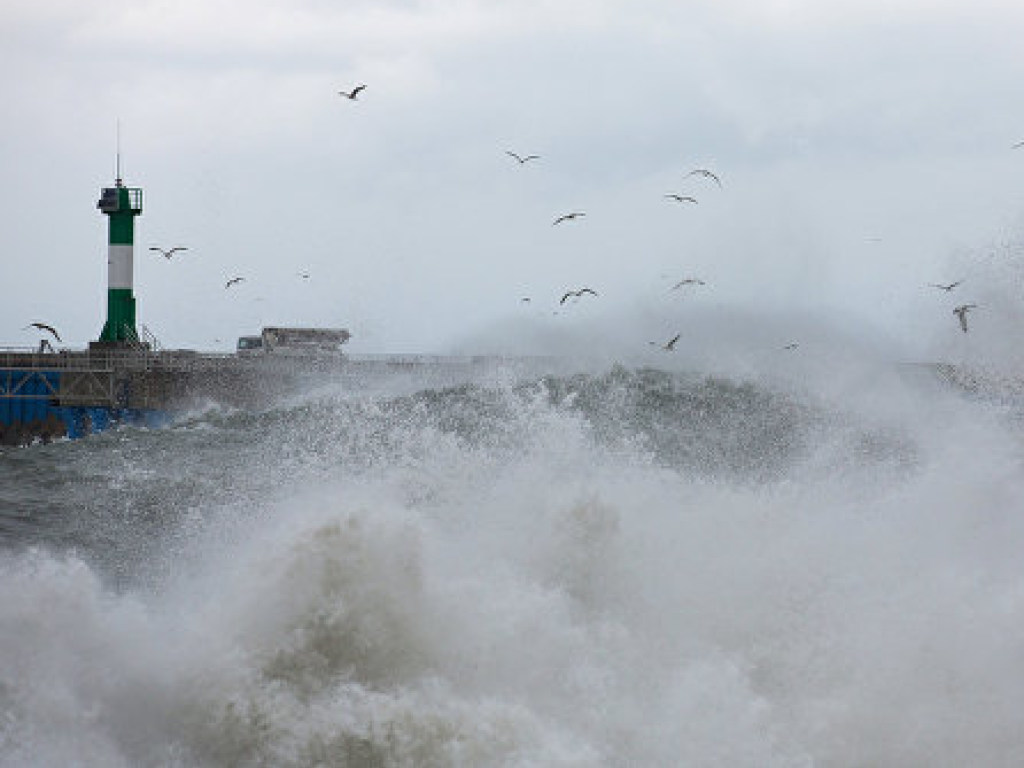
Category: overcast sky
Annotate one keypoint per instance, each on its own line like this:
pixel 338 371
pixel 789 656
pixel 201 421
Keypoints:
pixel 864 150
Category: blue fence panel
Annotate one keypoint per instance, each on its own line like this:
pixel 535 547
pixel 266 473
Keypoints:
pixel 34 401
pixel 34 408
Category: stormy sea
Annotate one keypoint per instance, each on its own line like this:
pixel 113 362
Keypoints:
pixel 620 564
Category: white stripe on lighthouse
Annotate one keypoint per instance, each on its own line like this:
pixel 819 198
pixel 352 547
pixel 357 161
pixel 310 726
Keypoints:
pixel 119 266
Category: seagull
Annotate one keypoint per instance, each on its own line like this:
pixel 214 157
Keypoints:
pixel 353 93
pixel 948 287
pixel 568 217
pixel 961 312
pixel 233 281
pixel 577 294
pixel 706 173
pixel 687 281
pixel 681 198
pixel 45 327
pixel 303 275
pixel 792 345
pixel 168 253
pixel 522 160
pixel 1018 145
pixel 668 346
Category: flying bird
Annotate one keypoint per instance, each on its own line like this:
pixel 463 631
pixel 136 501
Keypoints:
pixel 233 281
pixel 961 312
pixel 792 345
pixel 947 287
pixel 668 346
pixel 169 252
pixel 522 159
pixel 353 93
pixel 47 328
pixel 681 198
pixel 706 174
pixel 687 281
pixel 1018 145
pixel 303 275
pixel 577 294
pixel 568 217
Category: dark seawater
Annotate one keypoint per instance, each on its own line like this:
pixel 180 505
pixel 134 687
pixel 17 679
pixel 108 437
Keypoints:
pixel 614 567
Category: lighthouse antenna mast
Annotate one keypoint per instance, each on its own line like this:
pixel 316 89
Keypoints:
pixel 117 155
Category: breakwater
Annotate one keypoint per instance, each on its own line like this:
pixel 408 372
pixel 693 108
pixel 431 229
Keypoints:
pixel 50 395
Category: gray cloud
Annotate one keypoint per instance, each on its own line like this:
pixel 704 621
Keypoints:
pixel 858 149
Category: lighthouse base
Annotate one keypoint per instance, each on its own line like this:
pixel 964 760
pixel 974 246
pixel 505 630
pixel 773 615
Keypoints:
pixel 120 325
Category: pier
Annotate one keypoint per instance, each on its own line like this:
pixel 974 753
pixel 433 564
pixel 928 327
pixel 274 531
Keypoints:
pixel 50 395
pixel 74 393
pixel 126 377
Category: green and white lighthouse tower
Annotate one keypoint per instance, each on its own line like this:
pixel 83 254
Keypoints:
pixel 122 204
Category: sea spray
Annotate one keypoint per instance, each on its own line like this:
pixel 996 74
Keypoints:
pixel 624 567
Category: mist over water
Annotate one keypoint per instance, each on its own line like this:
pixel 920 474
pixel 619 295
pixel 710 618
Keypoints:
pixel 791 561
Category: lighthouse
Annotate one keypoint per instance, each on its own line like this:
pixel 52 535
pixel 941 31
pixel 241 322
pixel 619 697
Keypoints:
pixel 121 204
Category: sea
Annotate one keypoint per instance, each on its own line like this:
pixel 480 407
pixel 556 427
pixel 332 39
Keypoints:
pixel 643 563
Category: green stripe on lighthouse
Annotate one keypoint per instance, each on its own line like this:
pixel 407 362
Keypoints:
pixel 122 221
pixel 120 325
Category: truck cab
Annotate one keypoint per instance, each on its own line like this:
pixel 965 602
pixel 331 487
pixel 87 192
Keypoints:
pixel 249 345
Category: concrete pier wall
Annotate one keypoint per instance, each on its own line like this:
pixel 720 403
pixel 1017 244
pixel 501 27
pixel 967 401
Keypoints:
pixel 45 396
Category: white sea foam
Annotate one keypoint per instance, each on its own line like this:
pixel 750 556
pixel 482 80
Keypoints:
pixel 537 577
